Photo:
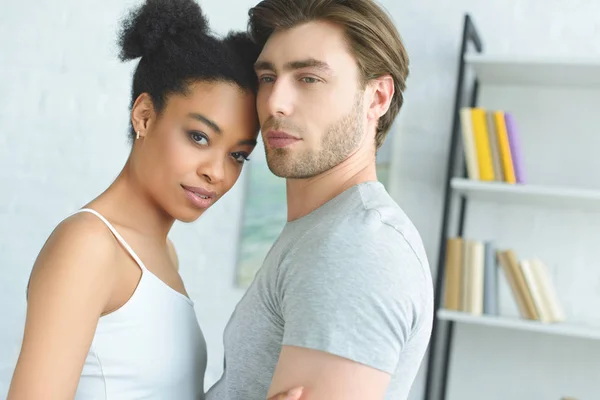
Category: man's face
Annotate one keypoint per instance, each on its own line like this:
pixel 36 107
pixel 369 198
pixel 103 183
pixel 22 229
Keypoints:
pixel 310 104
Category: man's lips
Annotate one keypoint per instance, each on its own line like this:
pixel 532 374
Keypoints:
pixel 279 139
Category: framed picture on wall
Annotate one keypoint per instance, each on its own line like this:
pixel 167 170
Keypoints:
pixel 264 215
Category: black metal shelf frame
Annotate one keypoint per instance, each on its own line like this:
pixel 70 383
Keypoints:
pixel 441 339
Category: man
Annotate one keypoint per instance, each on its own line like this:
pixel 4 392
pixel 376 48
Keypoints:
pixel 342 305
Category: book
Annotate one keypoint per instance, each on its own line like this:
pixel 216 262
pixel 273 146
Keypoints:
pixel 504 148
pixel 548 291
pixel 453 273
pixel 471 291
pixel 491 145
pixel 490 280
pixel 515 147
pixel 475 278
pixel 482 144
pixel 494 149
pixel 537 295
pixel 468 140
pixel 514 275
pixel 471 281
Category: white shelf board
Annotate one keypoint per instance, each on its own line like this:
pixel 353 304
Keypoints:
pixel 506 70
pixel 560 329
pixel 582 199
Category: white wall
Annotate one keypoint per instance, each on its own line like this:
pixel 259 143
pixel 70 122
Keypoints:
pixel 63 127
pixel 63 120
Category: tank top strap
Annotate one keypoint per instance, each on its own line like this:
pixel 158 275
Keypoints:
pixel 116 234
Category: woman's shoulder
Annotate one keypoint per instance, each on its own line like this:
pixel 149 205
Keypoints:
pixel 81 248
pixel 83 231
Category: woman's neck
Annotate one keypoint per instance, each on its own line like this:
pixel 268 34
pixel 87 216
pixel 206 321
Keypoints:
pixel 127 203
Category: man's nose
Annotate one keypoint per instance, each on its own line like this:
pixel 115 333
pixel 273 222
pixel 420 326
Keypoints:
pixel 280 98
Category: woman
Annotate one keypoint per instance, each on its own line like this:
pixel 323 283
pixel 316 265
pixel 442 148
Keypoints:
pixel 108 316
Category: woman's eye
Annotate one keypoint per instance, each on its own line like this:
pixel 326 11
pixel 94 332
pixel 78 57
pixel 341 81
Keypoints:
pixel 240 157
pixel 199 138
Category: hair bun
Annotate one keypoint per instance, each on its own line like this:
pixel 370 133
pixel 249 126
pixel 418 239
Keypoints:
pixel 146 28
pixel 243 46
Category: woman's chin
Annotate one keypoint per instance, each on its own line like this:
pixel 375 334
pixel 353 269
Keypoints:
pixel 188 215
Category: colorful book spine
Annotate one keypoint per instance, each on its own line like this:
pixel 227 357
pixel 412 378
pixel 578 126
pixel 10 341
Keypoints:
pixel 482 144
pixel 468 141
pixel 454 273
pixel 494 146
pixel 490 281
pixel 491 145
pixel 515 147
pixel 504 148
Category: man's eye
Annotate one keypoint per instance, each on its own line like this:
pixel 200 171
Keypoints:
pixel 266 79
pixel 309 79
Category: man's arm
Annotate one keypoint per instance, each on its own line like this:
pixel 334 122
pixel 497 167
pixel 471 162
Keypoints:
pixel 327 377
pixel 350 303
pixel 292 394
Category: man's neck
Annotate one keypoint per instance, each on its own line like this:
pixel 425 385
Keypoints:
pixel 306 195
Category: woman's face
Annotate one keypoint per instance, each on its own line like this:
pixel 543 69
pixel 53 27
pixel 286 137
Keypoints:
pixel 193 152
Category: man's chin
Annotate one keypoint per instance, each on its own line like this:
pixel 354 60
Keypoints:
pixel 282 165
pixel 278 169
pixel 289 172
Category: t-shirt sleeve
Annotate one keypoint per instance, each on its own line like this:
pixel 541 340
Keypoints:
pixel 354 294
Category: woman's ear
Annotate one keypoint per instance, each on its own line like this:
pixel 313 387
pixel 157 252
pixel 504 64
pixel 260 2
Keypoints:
pixel 142 113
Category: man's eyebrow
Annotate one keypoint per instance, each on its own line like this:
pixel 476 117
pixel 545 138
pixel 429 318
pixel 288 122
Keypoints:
pixel 262 65
pixel 308 63
pixel 207 121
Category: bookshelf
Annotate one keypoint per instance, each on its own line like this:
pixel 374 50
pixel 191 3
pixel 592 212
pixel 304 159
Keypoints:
pixel 546 195
pixel 554 214
pixel 560 329
pixel 504 70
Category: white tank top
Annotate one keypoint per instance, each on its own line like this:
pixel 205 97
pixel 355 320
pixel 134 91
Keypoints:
pixel 150 348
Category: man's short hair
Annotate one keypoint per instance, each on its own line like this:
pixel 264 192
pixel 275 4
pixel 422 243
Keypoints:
pixel 372 37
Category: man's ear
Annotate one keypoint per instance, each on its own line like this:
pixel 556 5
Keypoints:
pixel 382 91
pixel 142 113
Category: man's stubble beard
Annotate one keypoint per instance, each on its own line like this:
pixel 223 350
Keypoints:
pixel 340 140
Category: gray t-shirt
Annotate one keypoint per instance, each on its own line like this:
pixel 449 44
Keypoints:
pixel 351 279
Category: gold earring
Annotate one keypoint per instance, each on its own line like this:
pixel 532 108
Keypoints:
pixel 137 136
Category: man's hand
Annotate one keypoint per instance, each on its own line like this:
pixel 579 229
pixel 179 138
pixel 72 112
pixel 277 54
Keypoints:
pixel 293 394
